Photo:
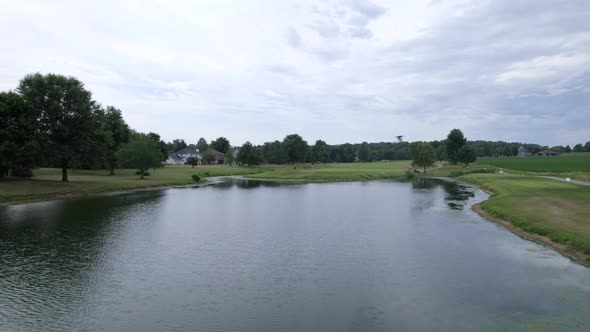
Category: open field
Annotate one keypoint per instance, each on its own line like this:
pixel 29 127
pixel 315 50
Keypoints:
pixel 559 164
pixel 557 210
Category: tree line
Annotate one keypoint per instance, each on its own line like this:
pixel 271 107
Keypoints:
pixel 52 121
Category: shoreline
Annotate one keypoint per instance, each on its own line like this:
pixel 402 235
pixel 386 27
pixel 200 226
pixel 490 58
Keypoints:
pixel 66 195
pixel 562 249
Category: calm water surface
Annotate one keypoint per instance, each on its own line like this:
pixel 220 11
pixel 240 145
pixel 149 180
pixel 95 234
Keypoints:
pixel 248 256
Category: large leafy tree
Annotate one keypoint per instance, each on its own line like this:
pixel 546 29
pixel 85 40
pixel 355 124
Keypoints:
pixel 466 155
pixel 177 144
pixel 295 148
pixel 274 153
pixel 141 153
pixel 455 141
pixel 315 150
pixel 65 110
pixel 249 154
pixel 160 143
pixel 19 147
pixel 364 152
pixel 118 134
pixel 221 144
pixel 202 145
pixel 422 154
pixel 324 154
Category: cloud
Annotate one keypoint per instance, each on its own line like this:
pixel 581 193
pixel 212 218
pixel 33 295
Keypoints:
pixel 339 70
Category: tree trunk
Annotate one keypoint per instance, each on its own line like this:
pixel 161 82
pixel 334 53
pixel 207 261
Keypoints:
pixel 141 174
pixel 112 168
pixel 64 173
pixel 424 169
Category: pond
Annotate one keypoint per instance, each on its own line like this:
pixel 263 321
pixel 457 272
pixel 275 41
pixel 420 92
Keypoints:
pixel 255 256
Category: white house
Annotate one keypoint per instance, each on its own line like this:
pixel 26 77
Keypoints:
pixel 180 157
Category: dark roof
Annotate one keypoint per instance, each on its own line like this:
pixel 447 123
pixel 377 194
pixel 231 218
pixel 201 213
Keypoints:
pixel 214 152
pixel 186 150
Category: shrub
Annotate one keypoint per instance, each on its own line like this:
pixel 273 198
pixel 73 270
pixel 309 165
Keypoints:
pixel 196 178
pixel 145 173
pixel 22 172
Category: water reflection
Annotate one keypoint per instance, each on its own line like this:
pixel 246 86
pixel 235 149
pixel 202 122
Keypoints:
pixel 457 193
pixel 53 252
pixel 256 256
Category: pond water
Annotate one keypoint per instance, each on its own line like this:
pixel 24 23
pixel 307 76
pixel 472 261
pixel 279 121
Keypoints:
pixel 252 256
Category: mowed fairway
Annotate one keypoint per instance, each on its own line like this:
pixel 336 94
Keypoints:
pixel 337 172
pixel 555 209
pixel 558 164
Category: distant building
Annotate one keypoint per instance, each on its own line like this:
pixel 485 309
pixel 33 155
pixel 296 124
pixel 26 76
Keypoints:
pixel 547 153
pixel 180 157
pixel 523 152
pixel 217 157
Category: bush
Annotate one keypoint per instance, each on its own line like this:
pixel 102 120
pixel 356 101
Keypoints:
pixel 22 172
pixel 196 178
pixel 146 173
pixel 410 175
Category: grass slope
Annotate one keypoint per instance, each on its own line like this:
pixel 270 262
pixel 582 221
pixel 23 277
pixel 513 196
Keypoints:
pixel 567 163
pixel 557 210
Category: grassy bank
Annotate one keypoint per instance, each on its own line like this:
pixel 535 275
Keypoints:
pixel 559 211
pixel 46 183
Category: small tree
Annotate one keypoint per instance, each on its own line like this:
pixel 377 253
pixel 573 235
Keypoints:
pixel 141 153
pixel 208 158
pixel 229 156
pixel 466 155
pixel 202 145
pixel 192 161
pixel 422 154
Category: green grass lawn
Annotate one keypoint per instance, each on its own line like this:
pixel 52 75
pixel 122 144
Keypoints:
pixel 336 172
pixel 559 164
pixel 558 210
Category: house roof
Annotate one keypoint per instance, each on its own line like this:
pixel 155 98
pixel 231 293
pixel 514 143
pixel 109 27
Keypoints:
pixel 214 152
pixel 186 150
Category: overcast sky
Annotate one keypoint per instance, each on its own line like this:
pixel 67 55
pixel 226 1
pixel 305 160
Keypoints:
pixel 342 71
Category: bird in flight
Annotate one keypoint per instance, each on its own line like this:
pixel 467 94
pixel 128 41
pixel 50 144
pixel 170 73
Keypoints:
pixel 400 138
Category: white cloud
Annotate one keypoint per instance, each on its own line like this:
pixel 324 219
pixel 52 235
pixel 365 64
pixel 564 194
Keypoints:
pixel 340 70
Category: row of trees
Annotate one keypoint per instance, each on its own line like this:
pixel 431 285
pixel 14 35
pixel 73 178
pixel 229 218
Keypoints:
pixel 220 144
